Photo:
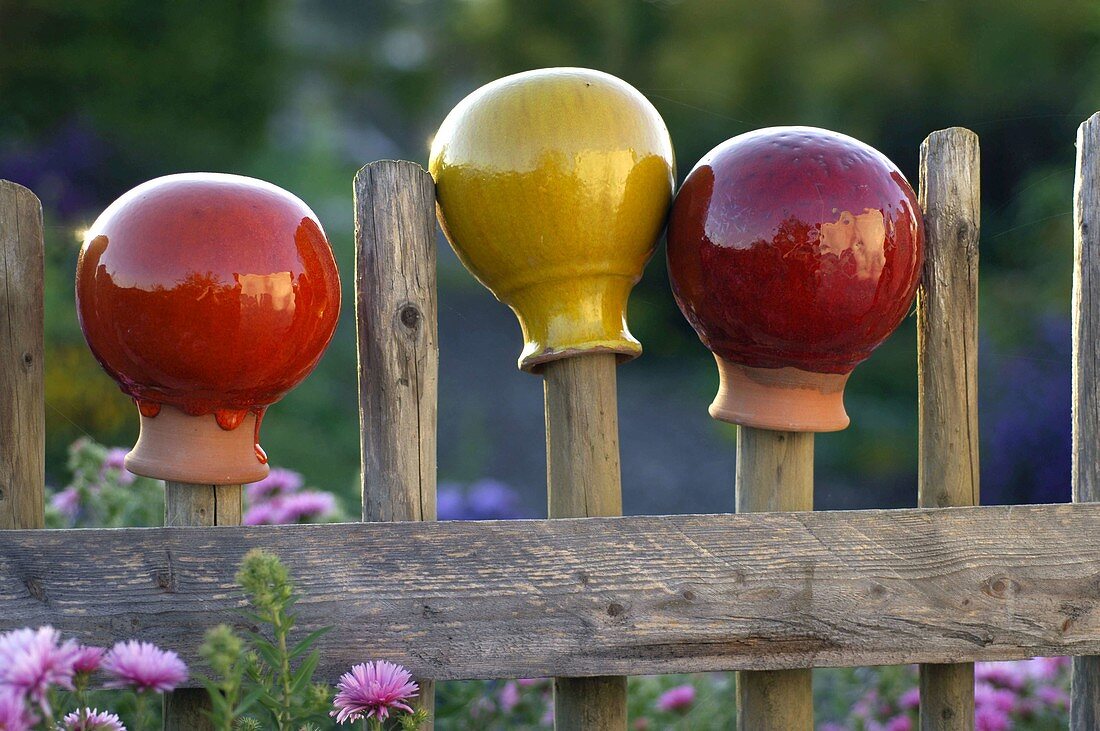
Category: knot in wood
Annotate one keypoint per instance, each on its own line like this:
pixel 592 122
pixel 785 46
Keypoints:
pixel 1000 587
pixel 36 590
pixel 615 609
pixel 410 316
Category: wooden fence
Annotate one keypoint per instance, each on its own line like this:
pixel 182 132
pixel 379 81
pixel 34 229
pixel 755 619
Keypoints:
pixel 774 593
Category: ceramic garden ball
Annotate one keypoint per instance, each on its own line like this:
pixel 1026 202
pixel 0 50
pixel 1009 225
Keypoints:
pixel 206 297
pixel 793 252
pixel 553 187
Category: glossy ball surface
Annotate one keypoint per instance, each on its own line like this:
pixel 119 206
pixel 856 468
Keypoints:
pixel 553 188
pixel 795 247
pixel 207 292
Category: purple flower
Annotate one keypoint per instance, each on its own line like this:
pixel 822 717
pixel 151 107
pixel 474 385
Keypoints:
pixel 88 659
pixel 1001 699
pixel 987 718
pixel 14 714
pixel 449 503
pixel 143 666
pixel 679 698
pixel 33 660
pixel 509 697
pixel 910 699
pixel 67 502
pixel 492 500
pixel 1005 674
pixel 373 690
pixel 116 461
pixel 310 505
pixel 1045 668
pixel 899 723
pixel 291 508
pixel 279 481
pixel 1053 696
pixel 92 719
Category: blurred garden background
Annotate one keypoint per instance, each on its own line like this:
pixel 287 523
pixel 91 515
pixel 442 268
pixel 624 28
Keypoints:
pixel 97 97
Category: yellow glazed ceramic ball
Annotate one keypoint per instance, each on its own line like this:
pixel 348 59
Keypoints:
pixel 553 188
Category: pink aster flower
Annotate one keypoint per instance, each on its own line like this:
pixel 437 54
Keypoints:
pixel 899 723
pixel 116 460
pixel 509 696
pixel 92 719
pixel 14 714
pixel 1053 696
pixel 372 690
pixel 143 666
pixel 910 699
pixel 991 719
pixel 1004 674
pixel 67 502
pixel 32 660
pixel 279 481
pixel 679 698
pixel 88 659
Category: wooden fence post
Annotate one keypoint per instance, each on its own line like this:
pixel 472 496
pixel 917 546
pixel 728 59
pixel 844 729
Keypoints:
pixel 947 372
pixel 22 406
pixel 583 480
pixel 196 505
pixel 775 472
pixel 396 326
pixel 1085 696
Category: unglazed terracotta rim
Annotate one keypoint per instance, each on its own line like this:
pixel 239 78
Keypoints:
pixel 780 399
pixel 626 351
pixel 177 447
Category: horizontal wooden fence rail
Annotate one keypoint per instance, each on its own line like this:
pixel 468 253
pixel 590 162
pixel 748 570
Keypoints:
pixel 600 596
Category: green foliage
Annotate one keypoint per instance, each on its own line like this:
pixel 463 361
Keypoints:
pixel 107 496
pixel 279 675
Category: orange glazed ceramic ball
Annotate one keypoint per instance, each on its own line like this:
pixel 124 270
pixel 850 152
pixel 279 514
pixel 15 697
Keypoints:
pixel 206 297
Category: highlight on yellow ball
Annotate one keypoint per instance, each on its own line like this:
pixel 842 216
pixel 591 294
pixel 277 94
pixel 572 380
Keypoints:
pixel 553 188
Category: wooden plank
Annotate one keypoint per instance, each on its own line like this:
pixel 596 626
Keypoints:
pixel 22 408
pixel 396 316
pixel 195 505
pixel 599 596
pixel 1085 695
pixel 947 368
pixel 583 480
pixel 396 325
pixel 775 472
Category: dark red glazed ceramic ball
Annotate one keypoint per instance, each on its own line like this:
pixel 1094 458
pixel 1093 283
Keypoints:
pixel 793 252
pixel 210 294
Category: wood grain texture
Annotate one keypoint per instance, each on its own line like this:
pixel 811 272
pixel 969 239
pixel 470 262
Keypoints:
pixel 205 506
pixel 947 368
pixel 1085 695
pixel 22 407
pixel 599 596
pixel 583 480
pixel 396 319
pixel 582 437
pixel 775 472
pixel 395 299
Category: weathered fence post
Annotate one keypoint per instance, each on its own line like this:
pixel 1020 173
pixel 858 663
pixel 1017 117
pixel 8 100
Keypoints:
pixel 947 358
pixel 775 472
pixel 196 505
pixel 22 406
pixel 396 321
pixel 1085 700
pixel 583 480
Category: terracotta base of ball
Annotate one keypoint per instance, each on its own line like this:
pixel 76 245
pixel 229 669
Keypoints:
pixel 177 447
pixel 780 399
